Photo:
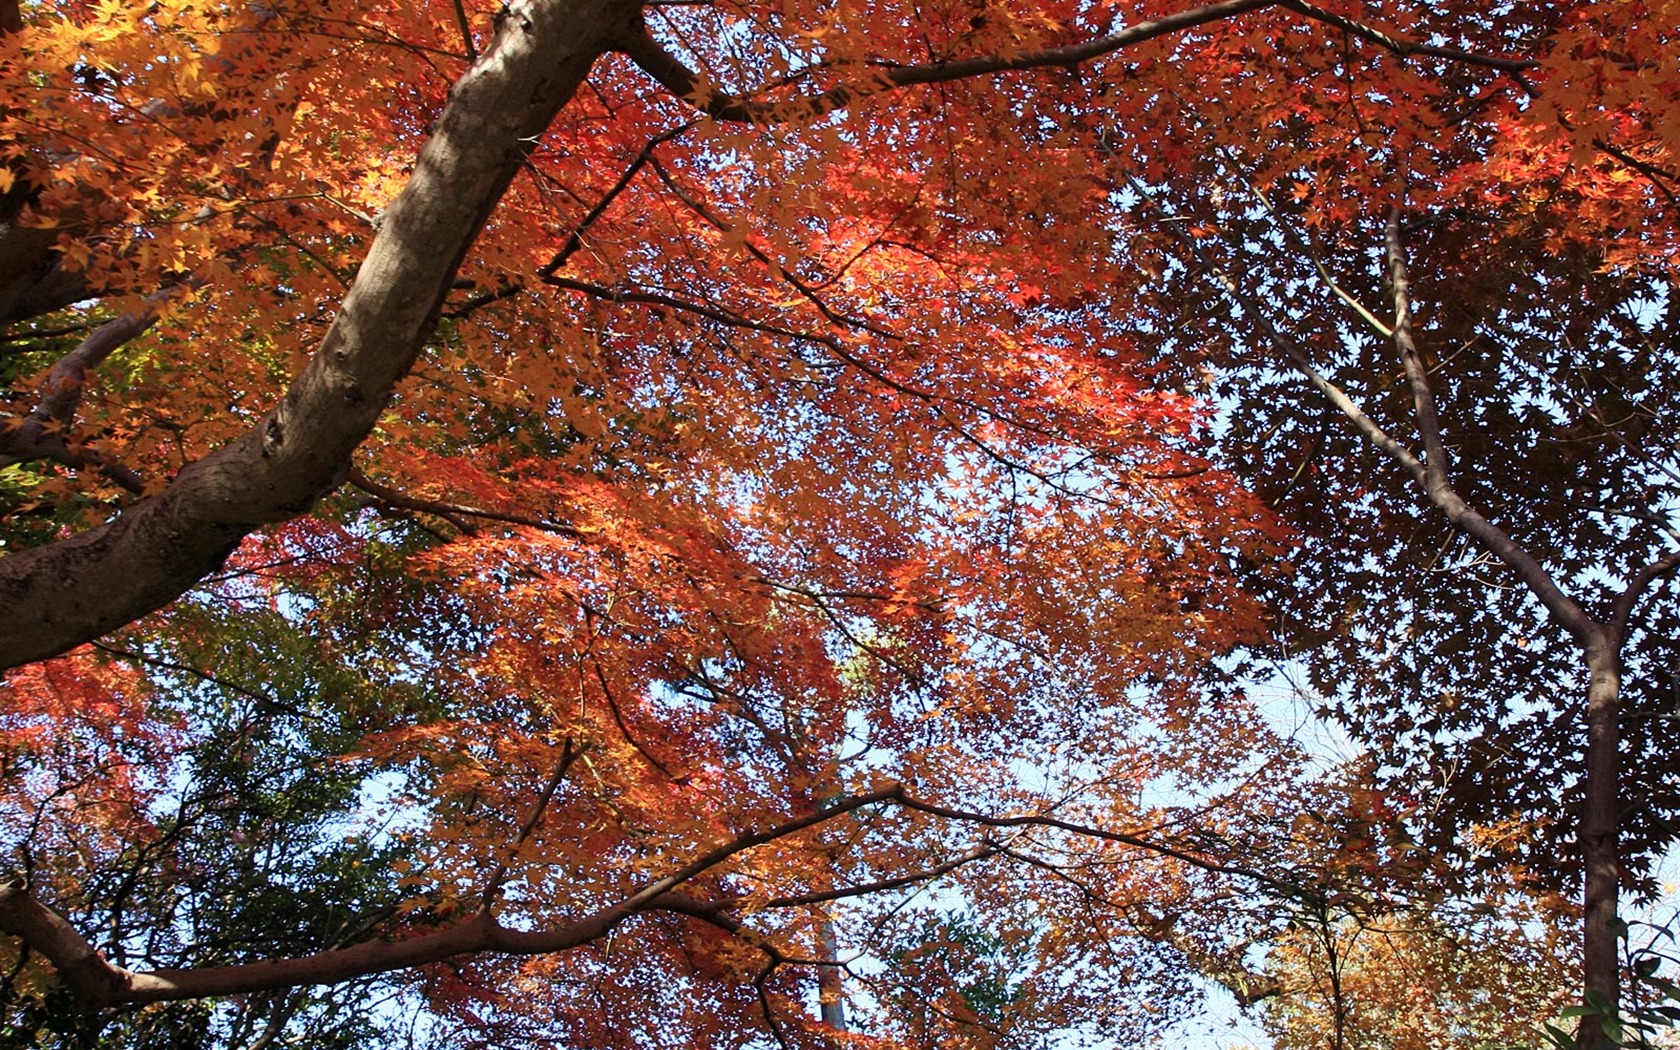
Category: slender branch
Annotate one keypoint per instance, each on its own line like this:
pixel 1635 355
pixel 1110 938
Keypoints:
pixel 574 240
pixel 864 890
pixel 1292 352
pixel 466 32
pixel 1571 616
pixel 721 105
pixel 910 802
pixel 1313 256
pixel 41 434
pixel 78 457
pixel 96 983
pixel 806 291
pixel 1659 177
pixel 40 333
pixel 1586 631
pixel 452 511
pixel 1417 374
pixel 493 885
pixel 1408 48
pixel 1621 610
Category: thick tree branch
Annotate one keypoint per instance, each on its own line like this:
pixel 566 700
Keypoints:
pixel 79 966
pixel 55 597
pixel 32 281
pixel 684 82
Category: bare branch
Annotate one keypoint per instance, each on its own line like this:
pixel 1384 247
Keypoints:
pixel 1417 375
pixel 574 240
pixel 1310 250
pixel 1126 838
pixel 1621 610
pixel 922 875
pixel 97 983
pixel 1586 631
pixel 1292 352
pixel 461 22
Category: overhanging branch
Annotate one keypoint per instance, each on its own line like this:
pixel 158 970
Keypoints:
pixel 98 984
pixel 722 105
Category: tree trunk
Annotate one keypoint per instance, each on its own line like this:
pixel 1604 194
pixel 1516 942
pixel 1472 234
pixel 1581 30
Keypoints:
pixel 828 978
pixel 1599 855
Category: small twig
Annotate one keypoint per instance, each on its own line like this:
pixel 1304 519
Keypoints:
pixel 466 32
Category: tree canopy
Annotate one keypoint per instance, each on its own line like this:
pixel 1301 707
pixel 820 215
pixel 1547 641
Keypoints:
pixel 717 523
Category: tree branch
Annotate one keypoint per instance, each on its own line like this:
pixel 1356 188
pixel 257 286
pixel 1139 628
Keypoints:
pixel 1297 358
pixel 1407 48
pixel 451 512
pixel 1417 376
pixel 1621 610
pixel 97 984
pixel 94 981
pixel 493 885
pixel 55 597
pixel 1586 631
pixel 677 78
pixel 41 434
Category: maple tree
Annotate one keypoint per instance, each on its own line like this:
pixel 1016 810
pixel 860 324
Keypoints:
pixel 683 474
pixel 1452 371
pixel 1491 976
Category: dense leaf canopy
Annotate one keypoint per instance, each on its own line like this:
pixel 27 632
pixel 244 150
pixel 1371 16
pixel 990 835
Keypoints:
pixel 616 522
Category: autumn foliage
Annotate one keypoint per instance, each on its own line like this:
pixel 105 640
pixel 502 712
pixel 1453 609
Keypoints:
pixel 701 524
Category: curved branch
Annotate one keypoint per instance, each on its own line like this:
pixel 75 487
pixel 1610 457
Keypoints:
pixel 98 984
pixel 1621 610
pixel 677 78
pixel 453 512
pixel 41 434
pixel 1586 631
pixel 1407 48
